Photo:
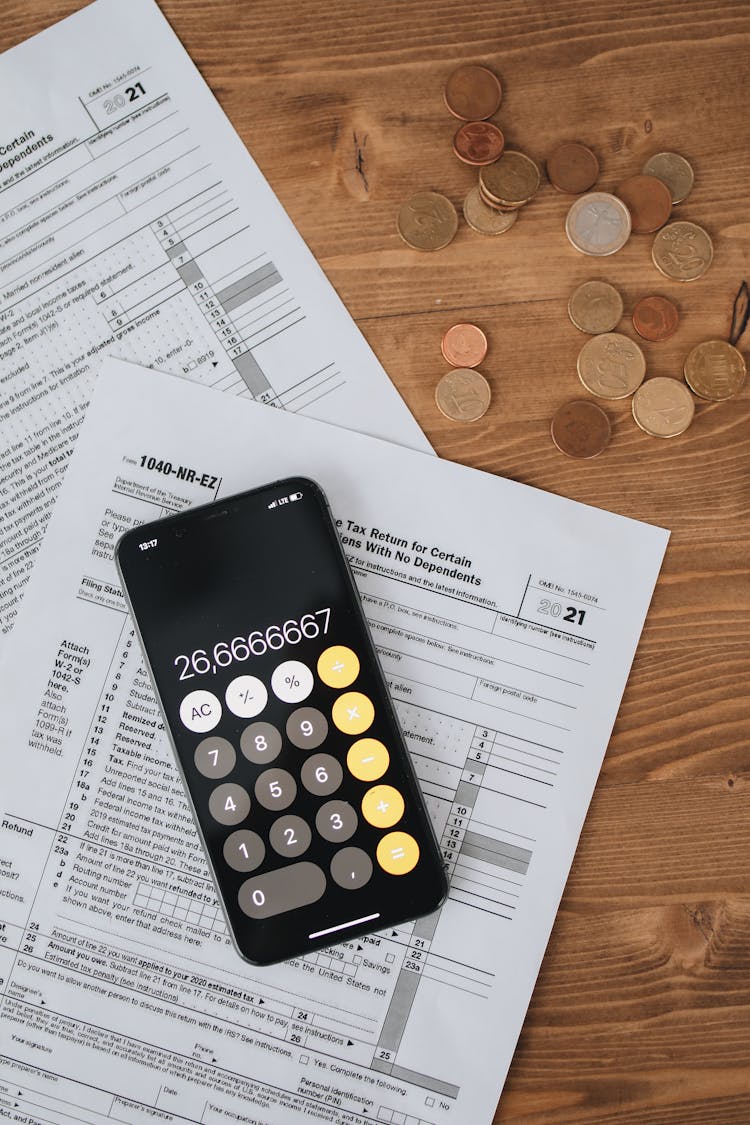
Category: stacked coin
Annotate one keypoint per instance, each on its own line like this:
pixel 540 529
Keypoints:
pixel 463 394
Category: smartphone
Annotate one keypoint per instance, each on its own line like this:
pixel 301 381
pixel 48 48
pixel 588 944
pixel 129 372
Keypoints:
pixel 300 783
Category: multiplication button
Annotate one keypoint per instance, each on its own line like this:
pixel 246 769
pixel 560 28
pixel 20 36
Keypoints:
pixel 338 666
pixel 353 712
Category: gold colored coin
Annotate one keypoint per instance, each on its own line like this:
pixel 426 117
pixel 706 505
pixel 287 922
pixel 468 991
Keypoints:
pixel 674 171
pixel 715 370
pixel 511 180
pixel 663 407
pixel 611 365
pixel 486 220
pixel 427 221
pixel 463 395
pixel 595 307
pixel 682 251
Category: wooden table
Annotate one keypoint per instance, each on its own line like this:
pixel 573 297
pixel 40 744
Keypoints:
pixel 642 1008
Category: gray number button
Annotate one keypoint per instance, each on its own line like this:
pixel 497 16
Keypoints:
pixel 244 850
pixel 299 884
pixel 307 728
pixel 321 774
pixel 351 868
pixel 290 836
pixel 215 757
pixel 336 821
pixel 261 743
pixel 275 789
pixel 229 804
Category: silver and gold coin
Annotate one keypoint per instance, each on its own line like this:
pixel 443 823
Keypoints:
pixel 595 307
pixel 663 407
pixel 715 370
pixel 611 365
pixel 463 395
pixel 598 224
pixel 682 251
pixel 674 171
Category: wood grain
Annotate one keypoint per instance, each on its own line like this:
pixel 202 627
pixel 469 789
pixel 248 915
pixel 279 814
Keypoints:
pixel 642 1008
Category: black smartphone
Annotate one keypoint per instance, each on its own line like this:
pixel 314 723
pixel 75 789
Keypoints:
pixel 292 757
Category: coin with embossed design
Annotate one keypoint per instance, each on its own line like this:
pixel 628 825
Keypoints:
pixel 663 407
pixel 478 143
pixel 511 181
pixel 598 224
pixel 427 221
pixel 655 318
pixel 486 219
pixel 572 168
pixel 464 345
pixel 682 251
pixel 611 365
pixel 580 429
pixel 472 93
pixel 715 370
pixel 595 307
pixel 673 170
pixel 463 395
pixel 649 201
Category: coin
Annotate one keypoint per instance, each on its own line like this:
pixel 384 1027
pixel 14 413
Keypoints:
pixel 655 318
pixel 682 251
pixel 715 370
pixel 595 307
pixel 464 345
pixel 489 201
pixel 663 407
pixel 580 429
pixel 478 142
pixel 463 395
pixel 572 168
pixel 649 201
pixel 427 221
pixel 611 365
pixel 511 180
pixel 486 220
pixel 472 93
pixel 674 171
pixel 598 224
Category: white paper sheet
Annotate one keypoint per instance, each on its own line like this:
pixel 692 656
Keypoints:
pixel 134 222
pixel 506 619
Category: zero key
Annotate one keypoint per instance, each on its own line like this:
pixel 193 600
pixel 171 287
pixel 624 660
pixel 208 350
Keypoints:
pixel 275 892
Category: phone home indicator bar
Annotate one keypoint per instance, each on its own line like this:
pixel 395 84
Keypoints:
pixel 345 925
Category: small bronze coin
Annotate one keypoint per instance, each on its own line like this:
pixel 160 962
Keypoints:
pixel 649 201
pixel 663 407
pixel 682 251
pixel 595 307
pixel 472 93
pixel 511 181
pixel 464 345
pixel 573 168
pixel 715 370
pixel 580 429
pixel 427 221
pixel 463 395
pixel 674 170
pixel 478 142
pixel 485 219
pixel 655 318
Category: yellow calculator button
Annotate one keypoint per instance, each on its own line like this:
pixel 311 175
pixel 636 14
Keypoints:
pixel 398 853
pixel 338 666
pixel 368 759
pixel 353 712
pixel 382 806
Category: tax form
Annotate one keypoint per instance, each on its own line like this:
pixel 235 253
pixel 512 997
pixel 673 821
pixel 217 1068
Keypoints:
pixel 133 222
pixel 506 620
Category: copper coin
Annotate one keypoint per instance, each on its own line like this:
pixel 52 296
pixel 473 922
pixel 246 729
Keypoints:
pixel 464 345
pixel 649 201
pixel 573 168
pixel 472 93
pixel 478 142
pixel 655 318
pixel 580 429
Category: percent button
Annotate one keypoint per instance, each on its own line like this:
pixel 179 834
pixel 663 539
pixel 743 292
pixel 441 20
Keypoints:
pixel 292 681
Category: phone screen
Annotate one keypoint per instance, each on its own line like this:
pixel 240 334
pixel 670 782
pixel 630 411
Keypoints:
pixel 280 718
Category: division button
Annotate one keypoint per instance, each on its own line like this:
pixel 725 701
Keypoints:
pixel 261 743
pixel 321 774
pixel 200 711
pixel 244 850
pixel 275 892
pixel 398 853
pixel 382 806
pixel 246 696
pixel 307 728
pixel 353 712
pixel 290 836
pixel 275 789
pixel 215 757
pixel 336 821
pixel 229 803
pixel 338 666
pixel 351 868
pixel 368 759
pixel 292 681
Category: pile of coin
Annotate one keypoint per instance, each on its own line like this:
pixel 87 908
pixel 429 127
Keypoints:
pixel 463 394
